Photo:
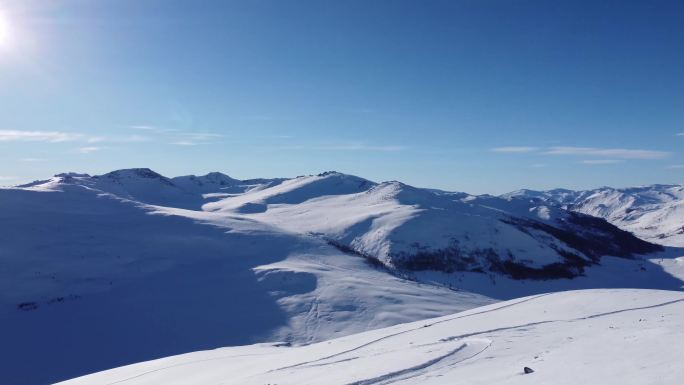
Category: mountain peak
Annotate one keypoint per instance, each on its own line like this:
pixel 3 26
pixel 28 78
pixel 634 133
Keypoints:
pixel 72 175
pixel 328 173
pixel 205 183
pixel 133 172
pixel 216 174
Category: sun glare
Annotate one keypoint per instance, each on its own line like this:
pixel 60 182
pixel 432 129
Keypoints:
pixel 4 31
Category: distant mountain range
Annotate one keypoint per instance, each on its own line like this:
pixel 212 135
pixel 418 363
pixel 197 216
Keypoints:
pixel 172 265
pixel 396 225
pixel 654 213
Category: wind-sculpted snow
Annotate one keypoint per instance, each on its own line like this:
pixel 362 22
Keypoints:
pixel 654 213
pixel 578 337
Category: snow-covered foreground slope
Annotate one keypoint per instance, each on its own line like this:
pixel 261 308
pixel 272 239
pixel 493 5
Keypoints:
pixel 654 213
pixel 576 337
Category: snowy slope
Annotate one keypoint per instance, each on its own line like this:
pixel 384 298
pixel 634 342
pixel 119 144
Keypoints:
pixel 578 337
pixel 654 213
pixel 409 228
pixel 293 192
pixel 85 269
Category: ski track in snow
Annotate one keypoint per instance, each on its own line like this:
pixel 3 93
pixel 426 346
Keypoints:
pixel 314 362
pixel 522 326
pixel 407 331
pixel 468 335
pixel 431 366
pixel 417 370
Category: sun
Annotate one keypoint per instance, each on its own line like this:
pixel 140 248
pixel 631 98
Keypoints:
pixel 4 31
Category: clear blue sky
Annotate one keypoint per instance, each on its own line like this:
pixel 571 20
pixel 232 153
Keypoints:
pixel 474 95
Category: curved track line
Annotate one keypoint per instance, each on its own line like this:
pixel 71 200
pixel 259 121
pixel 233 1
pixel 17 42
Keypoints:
pixel 424 365
pixel 404 332
pixel 417 370
pixel 393 375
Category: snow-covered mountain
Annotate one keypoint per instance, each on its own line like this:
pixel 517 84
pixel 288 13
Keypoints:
pixel 577 337
pixel 210 183
pixel 408 228
pixel 400 226
pixel 654 213
pixel 146 186
pixel 168 265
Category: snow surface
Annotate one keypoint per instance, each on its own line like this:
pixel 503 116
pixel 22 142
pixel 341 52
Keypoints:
pixel 576 337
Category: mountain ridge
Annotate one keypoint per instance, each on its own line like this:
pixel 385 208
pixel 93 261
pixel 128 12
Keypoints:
pixel 371 232
pixel 653 212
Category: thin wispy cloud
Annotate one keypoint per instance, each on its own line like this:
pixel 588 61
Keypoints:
pixel 30 160
pixel 88 150
pixel 539 165
pixel 199 135
pixel 61 137
pixel 183 137
pixel 118 139
pixel 675 167
pixel 362 147
pixel 6 178
pixel 602 161
pixel 619 153
pixel 515 149
pixel 177 137
pixel 611 153
pixel 185 143
pixel 277 137
pixel 352 147
pixel 38 136
pixel 194 138
pixel 680 134
pixel 153 129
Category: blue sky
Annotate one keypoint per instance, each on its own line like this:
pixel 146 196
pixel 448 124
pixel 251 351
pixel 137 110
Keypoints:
pixel 477 95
